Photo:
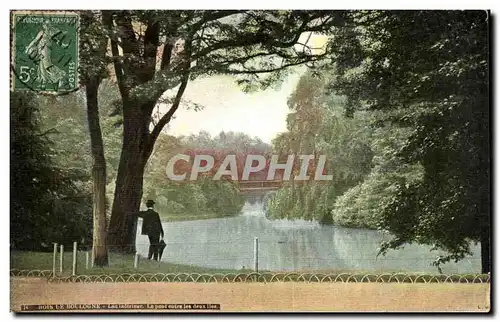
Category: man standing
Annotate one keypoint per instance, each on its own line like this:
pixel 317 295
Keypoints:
pixel 151 226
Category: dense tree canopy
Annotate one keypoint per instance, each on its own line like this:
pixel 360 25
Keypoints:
pixel 49 203
pixel 428 71
pixel 421 77
pixel 316 126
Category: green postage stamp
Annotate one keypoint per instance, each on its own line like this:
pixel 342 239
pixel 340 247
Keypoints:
pixel 44 51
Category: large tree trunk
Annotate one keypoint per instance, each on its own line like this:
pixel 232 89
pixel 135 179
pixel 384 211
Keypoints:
pixel 99 248
pixel 129 181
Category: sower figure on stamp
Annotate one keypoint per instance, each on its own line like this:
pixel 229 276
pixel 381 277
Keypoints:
pixel 151 226
pixel 40 50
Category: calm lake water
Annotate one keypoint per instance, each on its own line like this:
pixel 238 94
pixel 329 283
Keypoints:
pixel 286 245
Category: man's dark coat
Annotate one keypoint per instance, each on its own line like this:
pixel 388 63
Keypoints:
pixel 151 223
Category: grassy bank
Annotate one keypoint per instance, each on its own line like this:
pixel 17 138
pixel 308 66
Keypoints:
pixel 124 264
pixel 118 264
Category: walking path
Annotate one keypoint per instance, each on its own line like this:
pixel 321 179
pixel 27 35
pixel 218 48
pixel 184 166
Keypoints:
pixel 258 297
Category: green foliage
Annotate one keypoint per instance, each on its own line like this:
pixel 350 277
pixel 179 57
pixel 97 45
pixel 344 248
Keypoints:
pixel 426 71
pixel 415 84
pixel 222 197
pixel 49 203
pixel 362 205
pixel 203 196
pixel 316 126
pixel 65 117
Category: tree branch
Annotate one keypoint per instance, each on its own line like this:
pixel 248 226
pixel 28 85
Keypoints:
pixel 120 76
pixel 166 56
pixel 258 38
pixel 151 43
pixel 180 92
pixel 130 44
pixel 215 15
pixel 250 40
pixel 49 131
pixel 168 116
pixel 270 70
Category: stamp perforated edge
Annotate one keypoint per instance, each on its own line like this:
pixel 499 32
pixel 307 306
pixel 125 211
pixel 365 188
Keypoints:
pixel 16 13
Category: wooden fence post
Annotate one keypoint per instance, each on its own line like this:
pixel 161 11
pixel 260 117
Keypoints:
pixel 256 254
pixel 54 260
pixel 74 258
pixel 61 256
pixel 136 260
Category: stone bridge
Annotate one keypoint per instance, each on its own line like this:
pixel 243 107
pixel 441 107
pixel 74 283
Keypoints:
pixel 255 191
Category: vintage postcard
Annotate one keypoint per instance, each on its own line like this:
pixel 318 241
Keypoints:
pixel 219 161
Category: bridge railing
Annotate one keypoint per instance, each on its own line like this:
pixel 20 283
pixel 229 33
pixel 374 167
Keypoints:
pixel 254 184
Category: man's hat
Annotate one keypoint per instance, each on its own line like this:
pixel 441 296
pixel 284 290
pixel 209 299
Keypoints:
pixel 150 202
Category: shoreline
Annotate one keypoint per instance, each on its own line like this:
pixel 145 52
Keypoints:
pixel 192 217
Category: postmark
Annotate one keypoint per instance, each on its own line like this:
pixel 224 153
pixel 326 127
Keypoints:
pixel 45 51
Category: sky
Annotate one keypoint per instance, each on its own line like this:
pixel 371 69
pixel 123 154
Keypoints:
pixel 228 108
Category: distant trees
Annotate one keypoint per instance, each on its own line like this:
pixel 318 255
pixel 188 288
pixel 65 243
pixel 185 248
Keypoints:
pixel 203 195
pixel 316 126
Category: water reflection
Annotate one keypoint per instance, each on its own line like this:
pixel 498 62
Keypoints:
pixel 286 245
